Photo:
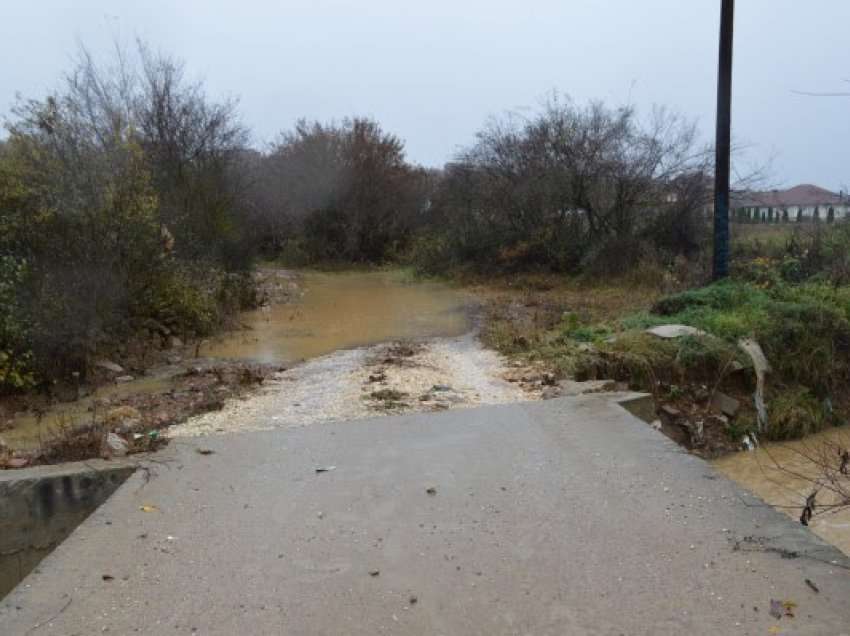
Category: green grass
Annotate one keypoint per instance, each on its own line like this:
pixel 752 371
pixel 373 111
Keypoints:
pixel 804 329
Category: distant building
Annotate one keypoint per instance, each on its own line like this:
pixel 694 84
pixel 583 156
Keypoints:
pixel 802 202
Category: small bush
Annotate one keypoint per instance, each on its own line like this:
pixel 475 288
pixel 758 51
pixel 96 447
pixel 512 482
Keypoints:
pixel 179 302
pixel 794 413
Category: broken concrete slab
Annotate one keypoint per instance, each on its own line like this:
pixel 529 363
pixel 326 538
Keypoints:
pixel 567 388
pixel 675 331
pixel 109 366
pixel 762 368
pixel 725 404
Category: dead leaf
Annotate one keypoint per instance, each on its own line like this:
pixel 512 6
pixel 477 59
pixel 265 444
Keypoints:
pixel 789 606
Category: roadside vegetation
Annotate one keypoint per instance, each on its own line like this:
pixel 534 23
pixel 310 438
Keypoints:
pixel 120 218
pixel 133 208
pixel 789 294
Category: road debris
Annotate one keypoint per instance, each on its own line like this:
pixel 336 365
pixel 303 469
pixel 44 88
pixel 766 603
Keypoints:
pixel 148 508
pixel 814 587
pixel 431 490
pixel 205 451
pixel 374 572
pixel 789 607
pixel 325 469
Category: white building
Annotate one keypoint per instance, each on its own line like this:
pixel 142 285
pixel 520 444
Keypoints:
pixel 802 202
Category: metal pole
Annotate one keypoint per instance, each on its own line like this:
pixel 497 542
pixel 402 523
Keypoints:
pixel 723 143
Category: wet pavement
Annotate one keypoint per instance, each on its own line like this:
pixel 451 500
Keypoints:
pixel 568 516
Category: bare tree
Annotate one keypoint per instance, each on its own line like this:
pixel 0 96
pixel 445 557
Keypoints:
pixel 575 186
pixel 346 188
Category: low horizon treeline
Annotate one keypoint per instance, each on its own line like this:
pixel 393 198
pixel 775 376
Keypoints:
pixel 130 198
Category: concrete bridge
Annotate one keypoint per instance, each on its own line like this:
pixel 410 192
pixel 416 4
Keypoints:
pixel 563 517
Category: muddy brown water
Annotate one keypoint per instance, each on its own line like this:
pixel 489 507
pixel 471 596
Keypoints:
pixel 337 310
pixel 780 474
pixel 344 310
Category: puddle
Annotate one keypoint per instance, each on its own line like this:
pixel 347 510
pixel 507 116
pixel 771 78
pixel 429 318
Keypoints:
pixel 345 310
pixel 40 507
pixel 758 472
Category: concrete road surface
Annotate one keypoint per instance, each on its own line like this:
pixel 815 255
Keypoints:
pixel 561 517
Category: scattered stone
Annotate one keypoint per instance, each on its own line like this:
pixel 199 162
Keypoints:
pixel 121 379
pixel 725 404
pixel 374 573
pixel 441 387
pixel 123 419
pixel 113 446
pixel 174 359
pixel 388 395
pixel 378 376
pixel 431 490
pixel 670 410
pixel 175 342
pixel 550 393
pixel 204 451
pixel 413 600
pixel 109 366
pixel 107 577
pixel 674 331
pixel 17 462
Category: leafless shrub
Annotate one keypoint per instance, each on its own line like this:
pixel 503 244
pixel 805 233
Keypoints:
pixel 575 188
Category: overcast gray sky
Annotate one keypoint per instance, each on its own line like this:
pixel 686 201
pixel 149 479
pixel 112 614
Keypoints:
pixel 432 71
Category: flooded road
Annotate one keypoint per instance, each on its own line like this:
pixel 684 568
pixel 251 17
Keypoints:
pixel 780 474
pixel 342 310
pixel 330 331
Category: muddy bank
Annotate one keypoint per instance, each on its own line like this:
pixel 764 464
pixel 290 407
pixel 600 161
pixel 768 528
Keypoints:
pixel 129 423
pixel 305 315
pixel 152 381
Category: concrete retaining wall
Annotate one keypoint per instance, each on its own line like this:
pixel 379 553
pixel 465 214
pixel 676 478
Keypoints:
pixel 41 506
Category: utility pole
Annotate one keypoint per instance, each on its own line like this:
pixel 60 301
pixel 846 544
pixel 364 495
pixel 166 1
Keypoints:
pixel 723 144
